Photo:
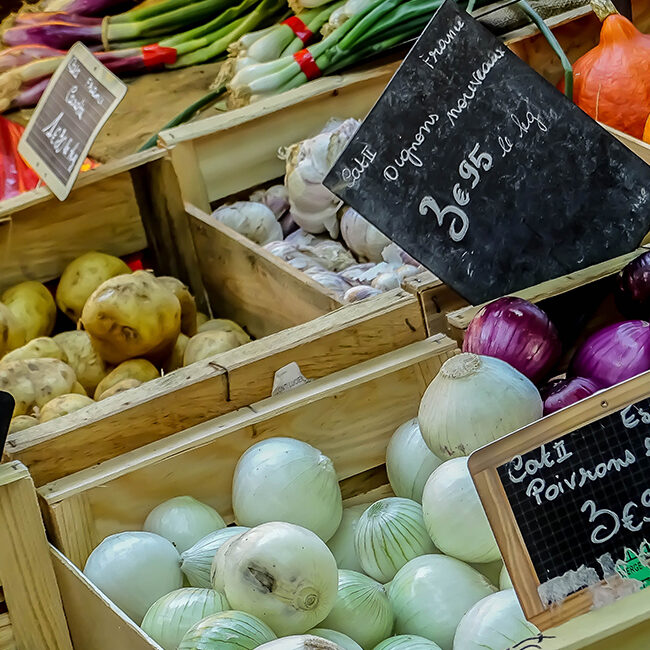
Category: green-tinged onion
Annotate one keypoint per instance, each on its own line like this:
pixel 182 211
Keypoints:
pixel 504 579
pixel 407 642
pixel 341 640
pixel 282 573
pixel 196 562
pixel 219 563
pixel 301 642
pixel 362 610
pixel 134 570
pixel 491 570
pixel 389 534
pixel 231 630
pixel 430 595
pixel 183 521
pixel 342 542
pixel 171 616
pixel 282 479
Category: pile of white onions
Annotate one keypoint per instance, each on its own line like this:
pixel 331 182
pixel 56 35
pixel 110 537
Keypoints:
pixel 300 571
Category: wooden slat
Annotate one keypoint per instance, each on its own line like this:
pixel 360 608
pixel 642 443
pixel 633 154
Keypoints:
pixel 28 579
pixel 7 641
pixel 349 415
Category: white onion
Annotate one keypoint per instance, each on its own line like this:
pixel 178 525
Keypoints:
pixel 342 640
pixel 183 521
pixel 361 237
pixel 231 630
pixel 454 515
pixel 474 400
pixel 432 593
pixel 282 479
pixel 342 542
pixel 282 573
pixel 496 622
pixel 171 616
pixel 504 579
pixel 491 570
pixel 300 642
pixel 409 462
pixel 389 534
pixel 362 610
pixel 134 570
pixel 196 562
pixel 407 642
pixel 218 568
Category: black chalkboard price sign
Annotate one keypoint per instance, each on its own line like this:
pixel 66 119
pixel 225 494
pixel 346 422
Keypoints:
pixel 7 405
pixel 568 498
pixel 76 104
pixel 487 174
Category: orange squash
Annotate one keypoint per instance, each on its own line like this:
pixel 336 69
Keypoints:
pixel 646 130
pixel 611 82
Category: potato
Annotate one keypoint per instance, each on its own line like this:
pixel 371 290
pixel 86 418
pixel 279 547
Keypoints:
pixel 82 358
pixel 62 405
pixel 132 316
pixel 22 422
pixel 201 318
pixel 78 389
pixel 33 306
pixel 139 369
pixel 42 347
pixel 207 344
pixel 188 305
pixel 82 276
pixel 175 360
pixel 225 325
pixel 12 334
pixel 120 387
pixel 34 382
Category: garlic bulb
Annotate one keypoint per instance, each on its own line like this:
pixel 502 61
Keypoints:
pixel 329 254
pixel 360 293
pixel 386 281
pixel 253 220
pixel 330 280
pixel 396 256
pixel 276 198
pixel 352 274
pixel 474 400
pixel 361 237
pixel 282 249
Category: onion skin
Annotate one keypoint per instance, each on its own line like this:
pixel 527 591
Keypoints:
pixel 517 332
pixel 613 354
pixel 560 393
pixel 633 288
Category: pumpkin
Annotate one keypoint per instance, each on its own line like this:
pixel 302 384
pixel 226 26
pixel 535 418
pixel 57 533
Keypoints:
pixel 611 82
pixel 646 130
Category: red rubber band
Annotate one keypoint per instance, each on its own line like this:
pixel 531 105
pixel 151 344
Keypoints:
pixel 307 64
pixel 156 55
pixel 298 28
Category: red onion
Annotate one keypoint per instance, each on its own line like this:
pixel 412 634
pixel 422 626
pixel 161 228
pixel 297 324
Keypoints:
pixel 614 354
pixel 563 392
pixel 517 332
pixel 633 288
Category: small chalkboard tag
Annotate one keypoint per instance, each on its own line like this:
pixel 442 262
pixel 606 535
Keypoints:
pixel 568 499
pixel 485 173
pixel 7 405
pixel 76 104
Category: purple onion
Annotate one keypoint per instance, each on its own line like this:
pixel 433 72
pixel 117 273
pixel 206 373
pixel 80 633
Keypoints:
pixel 517 332
pixel 30 94
pixel 91 7
pixel 12 57
pixel 563 392
pixel 59 35
pixel 633 288
pixel 613 354
pixel 42 17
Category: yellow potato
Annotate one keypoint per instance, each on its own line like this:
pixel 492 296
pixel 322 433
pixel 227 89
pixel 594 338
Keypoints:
pixel 132 316
pixel 62 405
pixel 207 344
pixel 120 387
pixel 33 306
pixel 12 334
pixel 82 358
pixel 175 360
pixel 139 369
pixel 201 318
pixel 225 325
pixel 22 422
pixel 42 347
pixel 188 305
pixel 82 276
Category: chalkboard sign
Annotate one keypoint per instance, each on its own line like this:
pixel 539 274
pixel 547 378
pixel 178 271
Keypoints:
pixel 76 104
pixel 568 498
pixel 485 173
pixel 7 405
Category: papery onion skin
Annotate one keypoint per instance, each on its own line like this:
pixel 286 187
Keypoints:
pixel 407 642
pixel 432 593
pixel 171 616
pixel 454 516
pixel 282 479
pixel 560 393
pixel 496 622
pixel 283 574
pixel 342 542
pixel 613 354
pixel 362 609
pixel 517 332
pixel 134 569
pixel 633 288
pixel 504 579
pixel 300 642
pixel 230 630
pixel 409 462
pixel 219 563
pixel 342 640
pixel 381 537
